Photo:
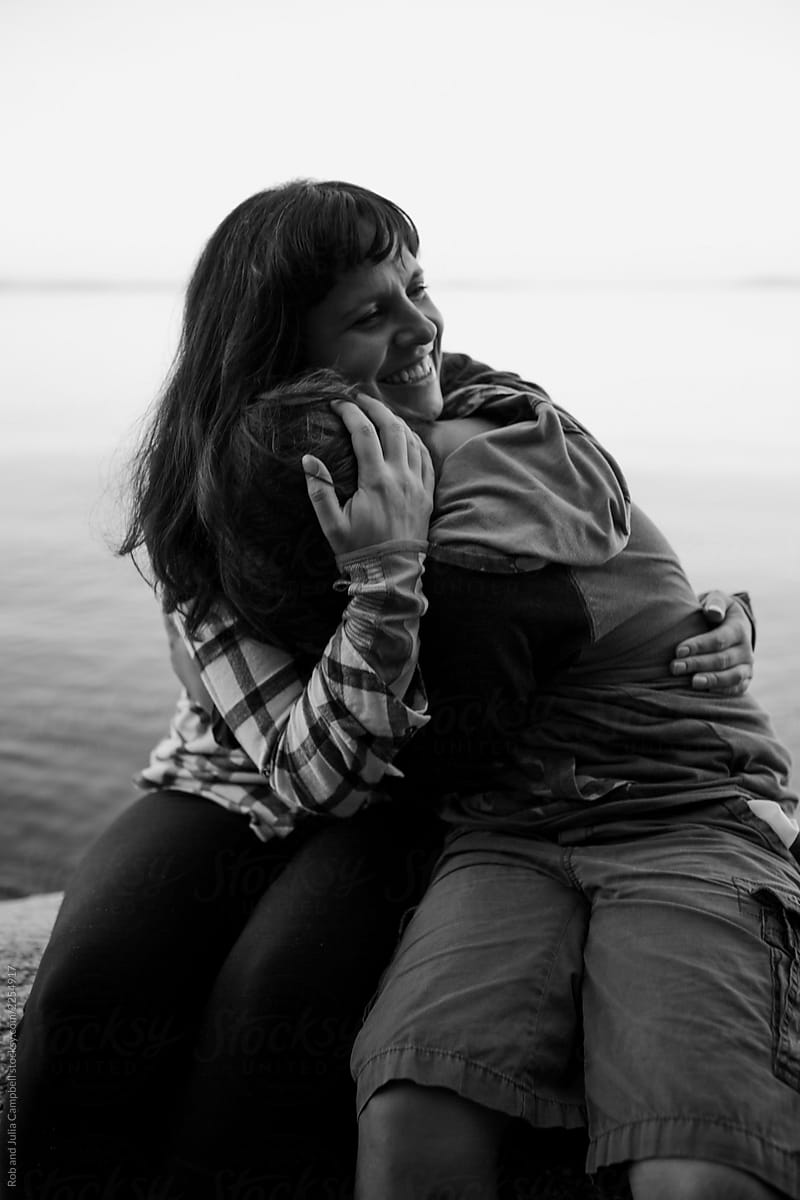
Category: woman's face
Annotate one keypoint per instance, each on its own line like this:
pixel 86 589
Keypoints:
pixel 380 329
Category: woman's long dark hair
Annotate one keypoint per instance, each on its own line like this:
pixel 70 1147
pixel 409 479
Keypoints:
pixel 271 260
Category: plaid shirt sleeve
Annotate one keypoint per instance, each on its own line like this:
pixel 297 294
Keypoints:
pixel 324 744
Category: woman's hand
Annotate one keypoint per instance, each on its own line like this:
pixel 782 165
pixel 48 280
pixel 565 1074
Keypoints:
pixel 722 659
pixel 394 499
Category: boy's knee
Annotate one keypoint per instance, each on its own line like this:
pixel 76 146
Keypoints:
pixel 389 1120
pixel 694 1179
pixel 411 1128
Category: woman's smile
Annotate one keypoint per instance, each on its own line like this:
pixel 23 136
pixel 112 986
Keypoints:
pixel 416 373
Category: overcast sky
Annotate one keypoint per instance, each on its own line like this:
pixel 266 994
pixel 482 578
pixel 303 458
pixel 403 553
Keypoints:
pixel 537 139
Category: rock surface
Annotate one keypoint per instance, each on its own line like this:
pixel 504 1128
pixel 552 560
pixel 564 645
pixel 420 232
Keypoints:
pixel 25 926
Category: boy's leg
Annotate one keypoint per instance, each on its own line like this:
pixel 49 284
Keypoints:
pixel 691 1005
pixel 690 1179
pixel 479 1010
pixel 417 1142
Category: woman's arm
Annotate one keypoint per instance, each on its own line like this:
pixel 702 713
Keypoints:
pixel 323 741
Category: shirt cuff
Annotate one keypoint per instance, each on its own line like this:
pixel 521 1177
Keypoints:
pixel 386 602
pixel 381 550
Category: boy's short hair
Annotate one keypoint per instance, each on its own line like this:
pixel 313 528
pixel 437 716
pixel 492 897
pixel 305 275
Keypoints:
pixel 296 418
pixel 276 567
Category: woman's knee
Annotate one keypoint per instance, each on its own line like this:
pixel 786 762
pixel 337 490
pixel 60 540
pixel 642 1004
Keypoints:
pixel 694 1179
pixel 427 1132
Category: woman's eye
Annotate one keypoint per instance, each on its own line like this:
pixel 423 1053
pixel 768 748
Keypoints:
pixel 368 318
pixel 418 290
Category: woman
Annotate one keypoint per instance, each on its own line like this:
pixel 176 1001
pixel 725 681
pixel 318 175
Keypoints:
pixel 192 960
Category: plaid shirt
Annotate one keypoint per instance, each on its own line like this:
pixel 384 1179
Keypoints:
pixel 253 734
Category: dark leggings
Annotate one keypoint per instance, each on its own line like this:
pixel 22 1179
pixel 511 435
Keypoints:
pixel 189 1030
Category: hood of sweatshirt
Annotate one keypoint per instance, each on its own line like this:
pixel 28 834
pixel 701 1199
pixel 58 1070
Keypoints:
pixel 535 489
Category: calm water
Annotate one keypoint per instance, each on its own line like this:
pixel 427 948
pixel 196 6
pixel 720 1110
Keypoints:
pixel 694 389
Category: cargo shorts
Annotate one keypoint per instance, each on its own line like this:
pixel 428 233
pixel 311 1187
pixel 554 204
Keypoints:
pixel 647 989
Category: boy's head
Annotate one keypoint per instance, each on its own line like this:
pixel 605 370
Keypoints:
pixel 296 418
pixel 276 567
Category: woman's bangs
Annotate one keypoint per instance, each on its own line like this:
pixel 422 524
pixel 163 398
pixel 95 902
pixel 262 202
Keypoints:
pixel 361 226
pixel 392 230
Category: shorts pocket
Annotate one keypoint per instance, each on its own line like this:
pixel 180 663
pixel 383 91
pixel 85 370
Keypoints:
pixel 780 929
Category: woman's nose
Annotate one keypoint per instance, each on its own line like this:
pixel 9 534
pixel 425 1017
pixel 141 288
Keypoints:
pixel 415 329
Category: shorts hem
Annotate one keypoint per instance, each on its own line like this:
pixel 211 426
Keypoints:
pixel 432 1067
pixel 706 1138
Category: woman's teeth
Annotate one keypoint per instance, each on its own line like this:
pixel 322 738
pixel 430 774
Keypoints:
pixel 415 374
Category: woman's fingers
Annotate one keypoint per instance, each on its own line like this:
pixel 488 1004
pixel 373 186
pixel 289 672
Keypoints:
pixel 322 495
pixel 715 682
pixel 715 607
pixel 417 453
pixel 414 457
pixel 428 471
pixel 398 443
pixel 722 659
pixel 391 429
pixel 364 436
pixel 724 671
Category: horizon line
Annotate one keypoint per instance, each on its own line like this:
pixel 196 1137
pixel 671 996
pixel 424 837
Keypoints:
pixel 473 283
